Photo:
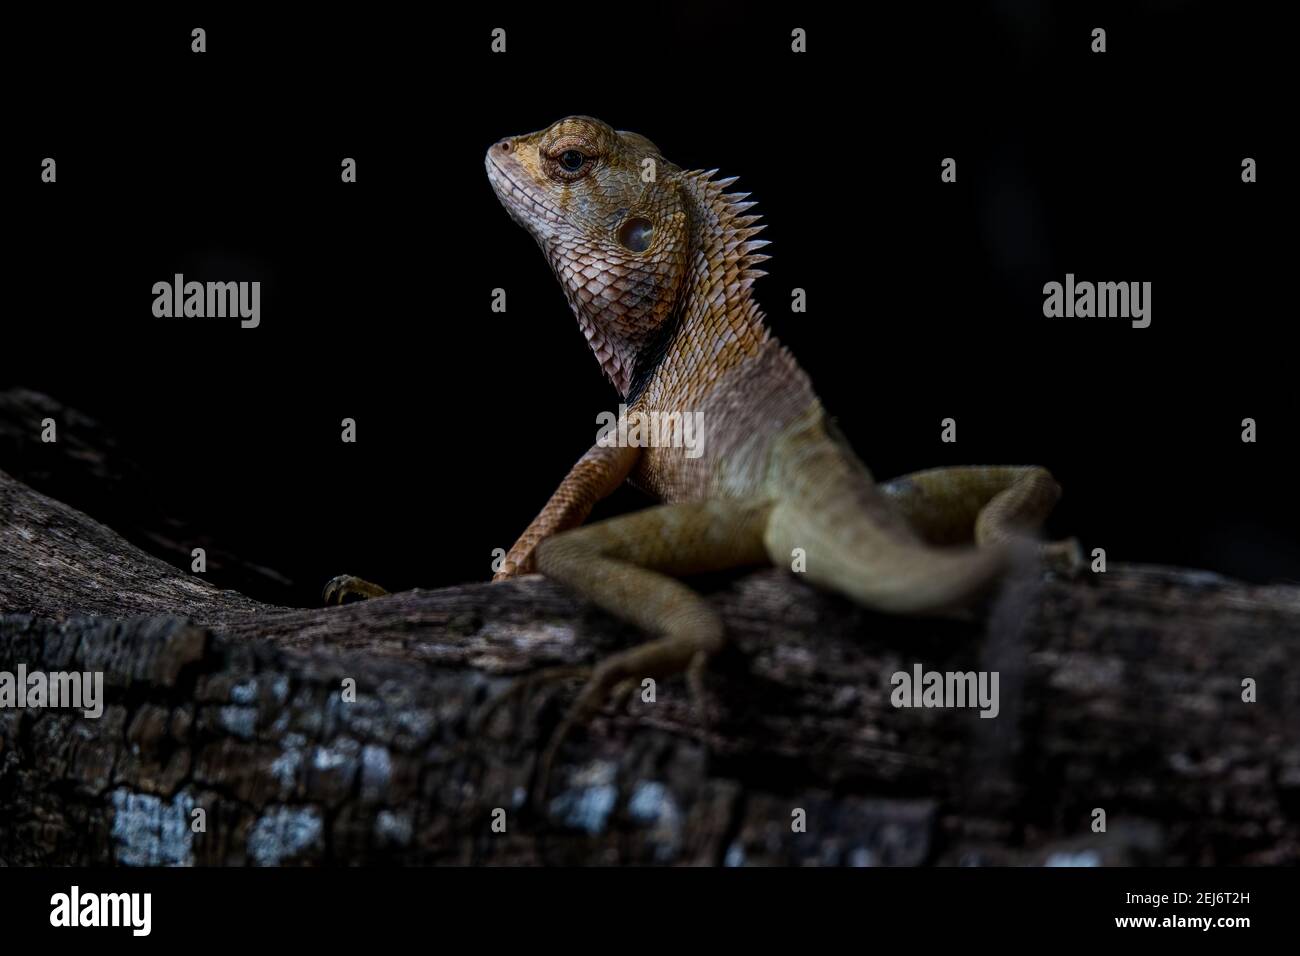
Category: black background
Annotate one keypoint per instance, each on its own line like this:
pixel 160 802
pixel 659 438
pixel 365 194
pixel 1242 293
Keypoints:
pixel 924 298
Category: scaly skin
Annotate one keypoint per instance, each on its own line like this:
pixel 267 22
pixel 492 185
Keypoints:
pixel 659 270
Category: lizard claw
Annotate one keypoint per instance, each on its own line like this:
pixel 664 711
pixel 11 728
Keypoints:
pixel 515 565
pixel 346 589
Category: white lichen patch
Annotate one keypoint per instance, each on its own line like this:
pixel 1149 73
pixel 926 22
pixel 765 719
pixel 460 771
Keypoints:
pixel 587 809
pixel 341 753
pixel 860 856
pixel 286 767
pixel 280 689
pixel 419 724
pixel 588 804
pixel 376 770
pixel 148 831
pixel 240 721
pixel 652 804
pixel 283 833
pixel 393 828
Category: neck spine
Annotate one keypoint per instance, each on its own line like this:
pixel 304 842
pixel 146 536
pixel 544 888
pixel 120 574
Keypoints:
pixel 716 302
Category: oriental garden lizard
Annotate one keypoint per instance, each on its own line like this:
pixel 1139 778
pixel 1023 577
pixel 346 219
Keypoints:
pixel 658 265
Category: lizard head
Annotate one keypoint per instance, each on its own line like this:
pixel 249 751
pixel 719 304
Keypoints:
pixel 607 211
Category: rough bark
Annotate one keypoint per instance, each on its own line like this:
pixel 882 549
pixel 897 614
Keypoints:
pixel 1120 691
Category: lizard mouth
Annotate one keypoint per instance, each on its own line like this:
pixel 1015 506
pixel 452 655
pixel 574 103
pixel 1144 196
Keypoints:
pixel 504 173
pixel 495 169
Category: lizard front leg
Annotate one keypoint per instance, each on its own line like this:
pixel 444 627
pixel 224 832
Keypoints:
pixel 624 566
pixel 991 505
pixel 596 475
pixel 344 588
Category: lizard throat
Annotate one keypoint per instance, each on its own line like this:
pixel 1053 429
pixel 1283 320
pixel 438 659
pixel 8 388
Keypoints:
pixel 711 304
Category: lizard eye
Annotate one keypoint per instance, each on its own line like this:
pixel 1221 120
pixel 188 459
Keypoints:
pixel 568 165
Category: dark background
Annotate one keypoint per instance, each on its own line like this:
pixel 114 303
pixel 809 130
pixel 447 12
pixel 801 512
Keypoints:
pixel 924 298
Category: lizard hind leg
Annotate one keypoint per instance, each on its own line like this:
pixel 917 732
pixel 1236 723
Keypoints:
pixel 624 565
pixel 991 505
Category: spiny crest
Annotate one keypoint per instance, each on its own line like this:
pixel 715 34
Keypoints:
pixel 729 251
pixel 736 226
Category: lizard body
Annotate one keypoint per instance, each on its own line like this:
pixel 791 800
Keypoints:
pixel 659 269
pixel 676 329
pixel 658 265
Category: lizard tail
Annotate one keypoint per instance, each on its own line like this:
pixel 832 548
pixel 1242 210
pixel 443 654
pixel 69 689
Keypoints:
pixel 854 540
pixel 857 558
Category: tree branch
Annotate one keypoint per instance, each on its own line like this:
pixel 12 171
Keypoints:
pixel 1119 690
